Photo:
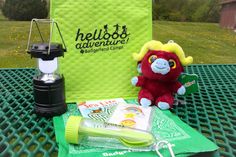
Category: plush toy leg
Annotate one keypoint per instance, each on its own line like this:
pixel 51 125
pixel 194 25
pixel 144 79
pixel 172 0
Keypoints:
pixel 165 101
pixel 145 98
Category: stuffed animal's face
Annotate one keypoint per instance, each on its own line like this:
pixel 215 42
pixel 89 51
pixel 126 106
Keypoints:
pixel 161 65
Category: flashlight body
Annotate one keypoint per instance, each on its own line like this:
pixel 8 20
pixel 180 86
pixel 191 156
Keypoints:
pixel 94 133
pixel 49 97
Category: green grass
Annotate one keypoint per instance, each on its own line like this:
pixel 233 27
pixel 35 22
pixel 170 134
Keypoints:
pixel 206 42
pixel 13 43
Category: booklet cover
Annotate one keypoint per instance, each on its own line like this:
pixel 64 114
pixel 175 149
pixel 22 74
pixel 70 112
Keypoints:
pixel 99 109
pixel 132 115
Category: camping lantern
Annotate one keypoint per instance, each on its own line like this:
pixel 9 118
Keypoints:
pixel 48 83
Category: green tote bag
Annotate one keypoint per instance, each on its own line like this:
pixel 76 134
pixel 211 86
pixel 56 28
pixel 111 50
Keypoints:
pixel 101 36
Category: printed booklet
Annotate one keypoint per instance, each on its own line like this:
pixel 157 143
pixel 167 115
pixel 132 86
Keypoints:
pixel 117 111
pixel 99 109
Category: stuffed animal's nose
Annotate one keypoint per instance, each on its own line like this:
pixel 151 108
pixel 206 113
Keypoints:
pixel 160 66
pixel 161 63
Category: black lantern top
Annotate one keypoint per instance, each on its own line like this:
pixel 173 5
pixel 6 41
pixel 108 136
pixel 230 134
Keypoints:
pixel 46 51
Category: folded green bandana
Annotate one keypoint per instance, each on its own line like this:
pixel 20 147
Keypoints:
pixel 165 125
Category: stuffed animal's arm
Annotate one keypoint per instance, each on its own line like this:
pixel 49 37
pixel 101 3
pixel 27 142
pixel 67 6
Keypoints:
pixel 179 88
pixel 138 81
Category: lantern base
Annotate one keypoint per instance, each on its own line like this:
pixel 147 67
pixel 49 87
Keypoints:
pixel 49 97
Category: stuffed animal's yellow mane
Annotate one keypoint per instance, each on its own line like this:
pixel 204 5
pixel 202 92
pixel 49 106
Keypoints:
pixel 169 47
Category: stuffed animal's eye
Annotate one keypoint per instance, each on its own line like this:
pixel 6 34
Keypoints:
pixel 152 58
pixel 172 63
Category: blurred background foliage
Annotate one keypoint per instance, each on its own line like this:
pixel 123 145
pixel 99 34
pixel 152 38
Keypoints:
pixel 171 10
pixel 187 10
pixel 24 10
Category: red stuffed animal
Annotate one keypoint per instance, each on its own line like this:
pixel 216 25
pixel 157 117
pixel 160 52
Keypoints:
pixel 160 66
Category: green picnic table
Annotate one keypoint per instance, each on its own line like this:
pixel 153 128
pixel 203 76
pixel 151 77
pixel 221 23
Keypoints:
pixel 211 111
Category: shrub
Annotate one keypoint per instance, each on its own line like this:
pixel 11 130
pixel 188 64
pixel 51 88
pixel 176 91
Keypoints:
pixel 1 3
pixel 25 9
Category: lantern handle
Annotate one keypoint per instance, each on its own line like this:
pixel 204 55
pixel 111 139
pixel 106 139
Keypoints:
pixel 51 21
